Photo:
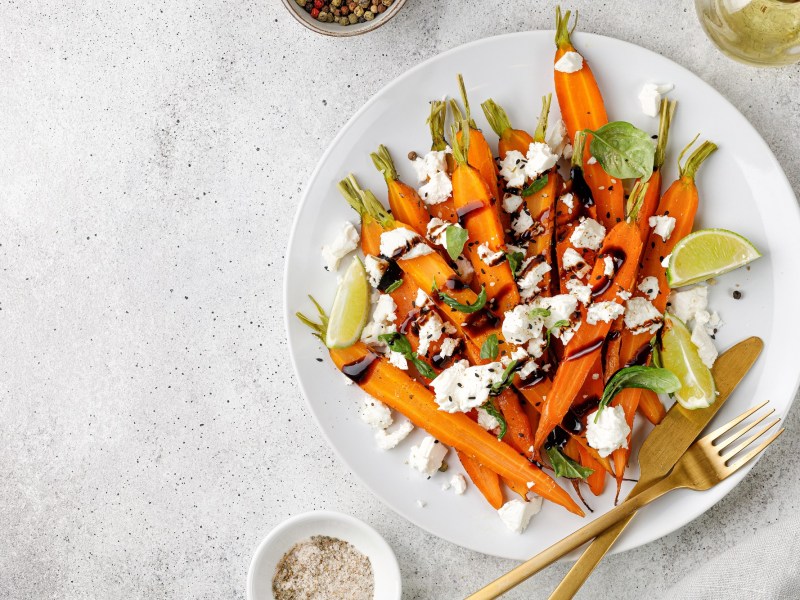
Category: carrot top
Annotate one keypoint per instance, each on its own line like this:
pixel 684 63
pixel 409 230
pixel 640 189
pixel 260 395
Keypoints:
pixel 497 117
pixel 384 163
pixel 364 202
pixel 665 120
pixel 435 122
pixel 562 29
pixel 696 158
pixel 541 125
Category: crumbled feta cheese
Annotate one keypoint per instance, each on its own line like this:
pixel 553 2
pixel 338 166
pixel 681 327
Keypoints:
pixel 608 431
pixel 624 295
pixel 438 189
pixel 398 360
pixel 464 269
pixel 383 317
pixel 540 160
pixel 511 202
pixel 662 225
pixel 437 231
pixel 527 368
pixel 649 287
pixel 488 257
pixel 512 169
pixel 344 243
pixel 487 421
pixel 588 234
pixel 685 304
pixel 385 310
pixel 403 244
pixel 608 266
pixel 569 201
pixel 650 97
pixel 710 321
pixel 665 261
pixel 458 484
pixel 642 317
pixel 432 163
pixel 531 277
pixel 375 267
pixel 422 299
pixel 705 347
pixel 522 223
pixel 557 137
pixel 375 413
pixel 430 331
pixel 448 347
pixel 562 307
pixel 449 328
pixel 573 262
pixel 428 456
pixel 520 327
pixel 516 514
pixel 570 62
pixel 536 348
pixel 603 311
pixel 387 439
pixel 583 293
pixel 461 387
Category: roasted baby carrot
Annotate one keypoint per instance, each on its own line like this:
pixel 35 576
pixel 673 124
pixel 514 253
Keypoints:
pixel 510 138
pixel 486 480
pixel 478 152
pixel 404 200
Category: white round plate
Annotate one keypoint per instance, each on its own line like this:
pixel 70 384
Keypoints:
pixel 742 188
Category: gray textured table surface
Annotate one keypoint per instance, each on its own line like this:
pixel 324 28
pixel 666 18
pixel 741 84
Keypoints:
pixel 151 160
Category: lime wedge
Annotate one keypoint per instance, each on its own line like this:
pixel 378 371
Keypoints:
pixel 679 355
pixel 350 308
pixel 707 253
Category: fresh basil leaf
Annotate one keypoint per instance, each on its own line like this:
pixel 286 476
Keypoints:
pixel 490 408
pixel 479 303
pixel 393 286
pixel 490 348
pixel 655 352
pixel 658 380
pixel 539 312
pixel 564 466
pixel 455 237
pixel 424 368
pixel 536 185
pixel 556 325
pixel 397 342
pixel 506 380
pixel 623 150
pixel 515 260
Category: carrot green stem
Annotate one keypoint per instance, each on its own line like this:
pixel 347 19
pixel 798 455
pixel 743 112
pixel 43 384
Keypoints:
pixel 692 164
pixel 318 329
pixel 667 112
pixel 462 88
pixel 384 163
pixel 497 117
pixel 635 200
pixel 436 124
pixel 577 149
pixel 460 147
pixel 541 126
pixel 364 202
pixel 562 28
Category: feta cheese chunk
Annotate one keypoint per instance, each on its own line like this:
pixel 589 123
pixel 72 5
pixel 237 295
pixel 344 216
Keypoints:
pixel 610 432
pixel 573 262
pixel 448 347
pixel 705 346
pixel 571 62
pixel 486 420
pixel 428 456
pixel 665 262
pixel 438 189
pixel 540 160
pixel 588 234
pixel 603 311
pixel 642 317
pixel 512 169
pixel 375 413
pixel 387 439
pixel 569 201
pixel 402 244
pixel 398 360
pixel 432 163
pixel 662 225
pixel 383 317
pixel 422 299
pixel 583 293
pixel 650 97
pixel 437 231
pixel 458 484
pixel 530 276
pixel 385 309
pixel 511 203
pixel 709 320
pixel 461 387
pixel 430 331
pixel 464 269
pixel 608 266
pixel 488 257
pixel 375 267
pixel 519 327
pixel 522 223
pixel 557 137
pixel 649 287
pixel 685 304
pixel 344 243
pixel 516 514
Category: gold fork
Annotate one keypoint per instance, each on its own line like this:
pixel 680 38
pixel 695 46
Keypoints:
pixel 703 466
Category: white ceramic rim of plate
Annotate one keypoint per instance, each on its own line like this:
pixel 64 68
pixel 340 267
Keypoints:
pixel 793 246
pixel 385 568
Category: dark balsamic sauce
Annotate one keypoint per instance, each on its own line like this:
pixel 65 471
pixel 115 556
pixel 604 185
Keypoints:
pixel 641 356
pixel 392 274
pixel 360 369
pixel 587 349
pixel 464 212
pixel 410 322
pixel 580 189
pixel 454 283
pixel 617 256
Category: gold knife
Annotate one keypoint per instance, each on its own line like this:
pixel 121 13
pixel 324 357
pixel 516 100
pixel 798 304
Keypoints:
pixel 662 449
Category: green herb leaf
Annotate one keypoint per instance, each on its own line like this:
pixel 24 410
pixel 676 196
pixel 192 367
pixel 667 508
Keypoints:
pixel 623 150
pixel 397 342
pixel 455 237
pixel 490 408
pixel 655 352
pixel 556 325
pixel 564 466
pixel 659 380
pixel 490 348
pixel 480 302
pixel 536 185
pixel 506 380
pixel 393 286
pixel 424 368
pixel 515 260
pixel 539 312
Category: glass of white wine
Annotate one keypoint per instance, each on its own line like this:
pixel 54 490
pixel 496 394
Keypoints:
pixel 756 32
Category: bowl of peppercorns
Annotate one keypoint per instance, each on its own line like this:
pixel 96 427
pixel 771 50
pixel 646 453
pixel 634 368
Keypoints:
pixel 340 18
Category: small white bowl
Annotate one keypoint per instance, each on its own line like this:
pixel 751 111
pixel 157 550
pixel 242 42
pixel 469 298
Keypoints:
pixel 301 527
pixel 336 30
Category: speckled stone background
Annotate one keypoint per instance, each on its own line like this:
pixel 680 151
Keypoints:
pixel 152 156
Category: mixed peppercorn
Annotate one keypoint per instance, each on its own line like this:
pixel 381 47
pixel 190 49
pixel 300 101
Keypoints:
pixel 344 12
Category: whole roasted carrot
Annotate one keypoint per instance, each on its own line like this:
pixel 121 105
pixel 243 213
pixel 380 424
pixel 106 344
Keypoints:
pixel 436 121
pixel 479 153
pixel 582 108
pixel 510 138
pixel 404 200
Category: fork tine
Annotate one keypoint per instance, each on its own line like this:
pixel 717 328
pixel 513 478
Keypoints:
pixel 714 435
pixel 754 452
pixel 722 445
pixel 750 440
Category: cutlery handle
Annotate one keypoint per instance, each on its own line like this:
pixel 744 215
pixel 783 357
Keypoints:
pixel 532 566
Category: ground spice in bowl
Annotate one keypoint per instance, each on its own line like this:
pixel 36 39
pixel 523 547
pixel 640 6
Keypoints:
pixel 323 568
pixel 344 12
